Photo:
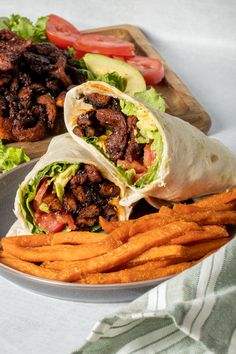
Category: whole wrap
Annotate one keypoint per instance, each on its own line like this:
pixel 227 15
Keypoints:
pixel 63 149
pixel 192 164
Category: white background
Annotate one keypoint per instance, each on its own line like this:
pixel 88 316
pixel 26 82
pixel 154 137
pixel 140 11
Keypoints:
pixel 198 40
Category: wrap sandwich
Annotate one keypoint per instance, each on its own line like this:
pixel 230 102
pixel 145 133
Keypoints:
pixel 68 190
pixel 155 154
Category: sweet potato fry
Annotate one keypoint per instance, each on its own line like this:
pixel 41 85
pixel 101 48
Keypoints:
pixel 165 253
pixel 78 237
pixel 201 249
pixel 60 252
pixel 209 217
pixel 179 254
pixel 37 240
pixel 149 270
pixel 128 230
pixel 208 232
pixel 157 253
pixel 30 268
pixel 58 265
pixel 215 200
pixel 166 212
pixel 109 226
pixel 5 254
pixel 202 217
pixel 133 248
pixel 192 208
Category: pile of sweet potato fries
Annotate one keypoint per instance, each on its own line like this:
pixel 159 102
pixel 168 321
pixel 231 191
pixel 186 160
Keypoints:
pixel 151 247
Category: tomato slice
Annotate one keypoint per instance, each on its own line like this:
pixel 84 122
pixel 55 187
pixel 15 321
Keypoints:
pixel 48 222
pixel 149 156
pixel 79 54
pixel 61 32
pixel 40 193
pixel 107 45
pixel 54 222
pixel 138 167
pixel 151 69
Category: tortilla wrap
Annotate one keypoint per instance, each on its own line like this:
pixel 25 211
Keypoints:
pixel 191 164
pixel 63 149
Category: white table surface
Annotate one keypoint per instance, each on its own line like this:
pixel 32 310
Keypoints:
pixel 198 40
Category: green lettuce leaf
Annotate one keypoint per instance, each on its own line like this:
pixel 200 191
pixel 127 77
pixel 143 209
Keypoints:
pixel 4 23
pixel 40 30
pixel 27 194
pixel 113 79
pixel 63 178
pixel 44 207
pixel 24 28
pixel 126 175
pixel 96 228
pixel 153 171
pixel 11 157
pixel 149 176
pixel 128 108
pixel 152 98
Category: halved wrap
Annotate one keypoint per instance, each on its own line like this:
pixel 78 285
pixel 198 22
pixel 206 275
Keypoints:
pixel 68 190
pixel 156 154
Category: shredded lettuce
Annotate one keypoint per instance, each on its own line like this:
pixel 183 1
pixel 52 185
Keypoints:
pixel 98 142
pixel 126 175
pixel 63 178
pixel 11 157
pixel 128 108
pixel 153 171
pixel 24 28
pixel 152 98
pixel 96 228
pixel 27 194
pixel 44 207
pixel 149 176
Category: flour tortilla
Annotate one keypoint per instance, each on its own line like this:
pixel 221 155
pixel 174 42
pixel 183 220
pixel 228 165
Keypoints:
pixel 63 149
pixel 192 164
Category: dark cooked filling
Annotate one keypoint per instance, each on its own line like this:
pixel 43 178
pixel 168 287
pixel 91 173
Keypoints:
pixel 33 83
pixel 86 196
pixel 121 130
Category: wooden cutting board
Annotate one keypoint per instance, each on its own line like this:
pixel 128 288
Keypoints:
pixel 180 102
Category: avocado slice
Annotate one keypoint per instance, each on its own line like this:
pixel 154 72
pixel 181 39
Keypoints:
pixel 100 65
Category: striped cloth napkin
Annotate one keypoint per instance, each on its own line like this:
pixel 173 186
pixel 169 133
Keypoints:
pixel 192 313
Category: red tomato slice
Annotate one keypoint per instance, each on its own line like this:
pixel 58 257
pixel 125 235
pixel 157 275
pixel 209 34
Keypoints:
pixel 138 167
pixel 151 69
pixel 40 193
pixel 48 222
pixel 61 32
pixel 107 45
pixel 53 222
pixel 79 54
pixel 149 156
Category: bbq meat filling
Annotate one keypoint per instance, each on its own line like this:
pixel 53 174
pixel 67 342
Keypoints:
pixel 33 82
pixel 72 199
pixel 118 134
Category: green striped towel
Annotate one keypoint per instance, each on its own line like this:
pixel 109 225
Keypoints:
pixel 192 313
